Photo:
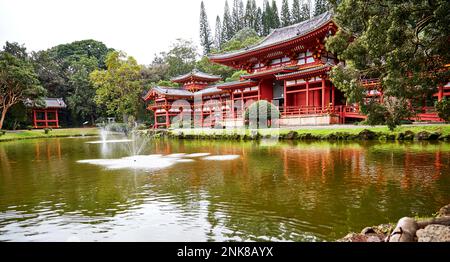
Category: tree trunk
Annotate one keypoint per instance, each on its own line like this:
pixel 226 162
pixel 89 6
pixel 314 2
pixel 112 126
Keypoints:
pixel 2 118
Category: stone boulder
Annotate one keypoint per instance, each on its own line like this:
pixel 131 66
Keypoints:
pixel 444 211
pixel 434 136
pixel 434 233
pixel 292 135
pixel 409 135
pixel 367 135
pixel 423 135
pixel 354 237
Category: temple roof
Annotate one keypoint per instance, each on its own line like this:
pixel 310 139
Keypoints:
pixel 209 91
pixel 237 84
pixel 196 75
pixel 171 91
pixel 270 72
pixel 305 72
pixel 47 103
pixel 281 35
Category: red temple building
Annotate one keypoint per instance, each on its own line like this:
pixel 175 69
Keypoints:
pixel 290 67
pixel 47 115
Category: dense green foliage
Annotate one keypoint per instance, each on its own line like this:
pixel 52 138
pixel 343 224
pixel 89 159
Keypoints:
pixel 261 19
pixel 321 6
pixel 64 72
pixel 443 109
pixel 402 43
pixel 18 80
pixel 118 88
pixel 245 37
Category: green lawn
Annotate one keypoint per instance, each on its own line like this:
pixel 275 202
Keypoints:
pixel 29 134
pixel 321 131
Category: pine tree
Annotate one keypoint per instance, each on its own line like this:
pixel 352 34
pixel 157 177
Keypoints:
pixel 227 24
pixel 275 17
pixel 218 34
pixel 285 14
pixel 266 18
pixel 250 14
pixel 305 12
pixel 295 12
pixel 241 15
pixel 321 7
pixel 237 15
pixel 258 22
pixel 205 30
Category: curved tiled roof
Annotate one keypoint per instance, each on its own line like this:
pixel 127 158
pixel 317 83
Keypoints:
pixel 171 91
pixel 47 103
pixel 282 35
pixel 326 66
pixel 239 83
pixel 196 74
pixel 208 91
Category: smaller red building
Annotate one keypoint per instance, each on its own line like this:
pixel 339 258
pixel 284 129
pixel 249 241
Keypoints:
pixel 47 114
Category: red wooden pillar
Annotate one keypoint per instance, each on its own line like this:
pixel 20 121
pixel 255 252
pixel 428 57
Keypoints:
pixel 307 93
pixel 46 118
pixel 242 100
pixel 323 93
pixel 34 118
pixel 57 119
pixel 332 95
pixel 440 93
pixel 167 113
pixel 155 116
pixel 232 104
pixel 285 97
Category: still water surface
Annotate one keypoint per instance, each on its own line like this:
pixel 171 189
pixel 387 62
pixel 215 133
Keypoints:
pixel 271 191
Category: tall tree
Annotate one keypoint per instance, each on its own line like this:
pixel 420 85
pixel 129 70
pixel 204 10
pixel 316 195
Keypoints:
pixel 259 22
pixel 218 34
pixel 275 17
pixel 205 31
pixel 181 58
pixel 227 26
pixel 296 11
pixel 241 12
pixel 18 80
pixel 61 69
pixel 321 6
pixel 237 15
pixel 267 18
pixel 81 100
pixel 250 14
pixel 118 88
pixel 285 14
pixel 305 12
pixel 402 43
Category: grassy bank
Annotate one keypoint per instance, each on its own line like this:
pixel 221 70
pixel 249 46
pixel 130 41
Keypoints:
pixel 348 132
pixel 31 134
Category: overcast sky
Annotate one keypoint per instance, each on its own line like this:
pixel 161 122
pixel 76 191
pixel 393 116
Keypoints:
pixel 141 28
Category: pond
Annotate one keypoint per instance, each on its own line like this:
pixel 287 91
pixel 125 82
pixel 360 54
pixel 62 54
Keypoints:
pixel 64 190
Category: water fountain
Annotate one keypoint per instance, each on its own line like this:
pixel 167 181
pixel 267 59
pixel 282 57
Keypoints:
pixel 134 144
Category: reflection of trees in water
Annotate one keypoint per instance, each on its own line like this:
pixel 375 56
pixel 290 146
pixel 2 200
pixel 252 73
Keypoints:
pixel 285 191
pixel 50 178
